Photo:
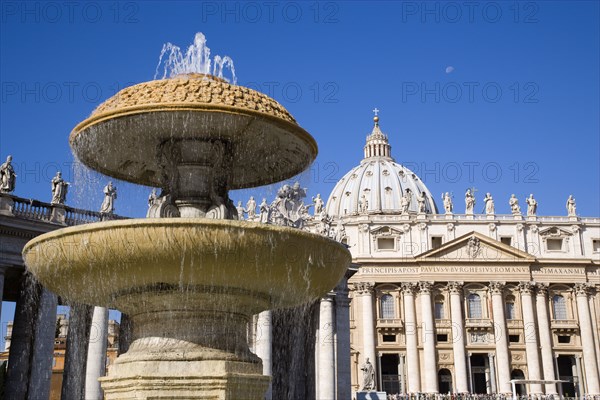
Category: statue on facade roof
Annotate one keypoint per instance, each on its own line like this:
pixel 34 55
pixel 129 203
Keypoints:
pixel 405 201
pixel 489 204
pixel 513 202
pixel 571 206
pixel 289 209
pixel 7 176
pixel 251 208
pixel 59 189
pixel 110 194
pixel 531 205
pixel 448 206
pixel 152 198
pixel 240 211
pixel 264 211
pixel 469 202
pixel 318 204
pixel 340 231
pixel 421 198
pixel 363 204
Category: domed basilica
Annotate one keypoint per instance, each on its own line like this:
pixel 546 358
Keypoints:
pixel 447 302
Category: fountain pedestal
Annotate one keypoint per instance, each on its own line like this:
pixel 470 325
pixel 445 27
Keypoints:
pixel 190 343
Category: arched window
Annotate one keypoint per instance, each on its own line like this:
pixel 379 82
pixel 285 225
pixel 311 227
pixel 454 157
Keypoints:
pixel 509 307
pixel 474 306
pixel 439 307
pixel 559 307
pixel 387 307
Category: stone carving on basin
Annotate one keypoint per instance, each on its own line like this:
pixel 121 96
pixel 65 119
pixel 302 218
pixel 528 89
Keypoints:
pixel 189 284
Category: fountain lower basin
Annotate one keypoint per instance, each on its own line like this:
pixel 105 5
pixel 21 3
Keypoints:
pixel 190 286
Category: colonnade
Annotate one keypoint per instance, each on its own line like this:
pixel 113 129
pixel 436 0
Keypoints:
pixel 537 337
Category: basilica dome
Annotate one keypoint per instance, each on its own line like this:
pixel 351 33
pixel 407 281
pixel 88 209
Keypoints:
pixel 378 184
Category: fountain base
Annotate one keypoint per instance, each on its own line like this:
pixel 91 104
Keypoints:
pixel 160 368
pixel 190 344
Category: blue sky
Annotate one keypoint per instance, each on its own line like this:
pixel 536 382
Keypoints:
pixel 518 113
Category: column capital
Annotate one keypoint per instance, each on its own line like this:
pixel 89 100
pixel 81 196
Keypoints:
pixel 582 289
pixel 496 287
pixel 455 287
pixel 541 289
pixel 425 287
pixel 364 288
pixel 527 288
pixel 408 288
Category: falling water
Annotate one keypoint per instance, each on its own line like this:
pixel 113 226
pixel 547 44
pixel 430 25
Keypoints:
pixel 173 61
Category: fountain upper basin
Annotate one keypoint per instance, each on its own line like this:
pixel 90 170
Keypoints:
pixel 124 134
pixel 98 263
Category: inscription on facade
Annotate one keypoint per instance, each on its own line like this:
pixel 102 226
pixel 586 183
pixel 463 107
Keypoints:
pixel 558 271
pixel 444 269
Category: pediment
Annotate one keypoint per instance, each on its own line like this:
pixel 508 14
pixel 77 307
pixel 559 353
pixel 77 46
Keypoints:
pixel 555 232
pixel 475 247
pixel 386 231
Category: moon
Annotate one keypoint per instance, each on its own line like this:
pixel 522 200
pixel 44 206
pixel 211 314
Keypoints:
pixel 449 69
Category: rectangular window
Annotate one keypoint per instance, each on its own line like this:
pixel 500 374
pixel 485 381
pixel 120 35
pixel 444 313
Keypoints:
pixel 506 240
pixel 442 337
pixel 513 338
pixel 385 244
pixel 474 309
pixel 596 245
pixel 389 338
pixel 564 339
pixel 554 244
pixel 436 242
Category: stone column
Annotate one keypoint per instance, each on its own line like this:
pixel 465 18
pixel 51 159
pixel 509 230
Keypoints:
pixel 471 386
pixel 458 337
pixel 2 271
pixel 595 322
pixel 96 356
pixel 401 379
pixel 342 340
pixel 80 318
pixel 579 374
pixel 560 390
pixel 545 337
pixel 587 340
pixel 326 361
pixel 365 290
pixel 410 330
pixel 430 383
pixel 264 346
pixel 531 341
pixel 492 364
pixel 43 346
pixel 19 359
pixel 500 337
pixel 125 333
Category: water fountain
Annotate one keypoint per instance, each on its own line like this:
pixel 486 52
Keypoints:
pixel 190 276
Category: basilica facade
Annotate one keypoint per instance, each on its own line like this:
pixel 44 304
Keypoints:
pixel 449 301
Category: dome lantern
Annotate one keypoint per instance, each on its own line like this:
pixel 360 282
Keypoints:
pixel 377 142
